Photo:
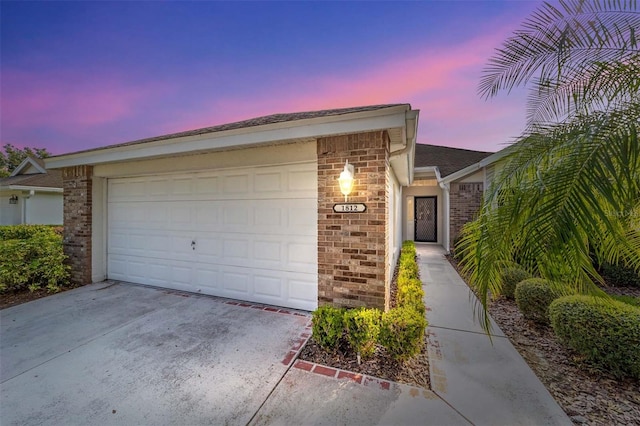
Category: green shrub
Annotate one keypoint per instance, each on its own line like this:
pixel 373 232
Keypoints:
pixel 362 327
pixel 629 300
pixel 510 277
pixel 410 294
pixel 31 256
pixel 620 275
pixel 533 297
pixel 402 332
pixel 24 232
pixel 328 326
pixel 606 332
pixel 409 268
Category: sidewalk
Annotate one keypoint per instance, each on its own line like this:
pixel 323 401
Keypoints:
pixel 474 382
pixel 486 381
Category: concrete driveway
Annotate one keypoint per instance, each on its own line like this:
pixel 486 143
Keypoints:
pixel 115 353
pixel 123 354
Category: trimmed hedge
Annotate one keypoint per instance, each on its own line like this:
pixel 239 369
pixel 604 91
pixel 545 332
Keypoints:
pixel 620 275
pixel 533 297
pixel 31 256
pixel 606 332
pixel 328 326
pixel 510 277
pixel 401 330
pixel 362 327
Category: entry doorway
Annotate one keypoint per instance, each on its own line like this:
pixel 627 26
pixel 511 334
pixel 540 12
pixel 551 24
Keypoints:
pixel 426 219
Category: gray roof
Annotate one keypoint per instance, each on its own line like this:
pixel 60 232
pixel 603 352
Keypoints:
pixel 51 179
pixel 252 122
pixel 448 160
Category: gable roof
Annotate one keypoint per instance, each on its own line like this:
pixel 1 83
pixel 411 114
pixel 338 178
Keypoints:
pixel 447 159
pixel 28 162
pixel 399 120
pixel 246 124
pixel 42 179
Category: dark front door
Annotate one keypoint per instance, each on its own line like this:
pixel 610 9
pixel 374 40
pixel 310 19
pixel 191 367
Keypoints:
pixel 426 219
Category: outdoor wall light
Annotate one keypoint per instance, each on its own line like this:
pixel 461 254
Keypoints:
pixel 13 199
pixel 346 179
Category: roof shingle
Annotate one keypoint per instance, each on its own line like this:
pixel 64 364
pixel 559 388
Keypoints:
pixel 51 179
pixel 252 122
pixel 448 160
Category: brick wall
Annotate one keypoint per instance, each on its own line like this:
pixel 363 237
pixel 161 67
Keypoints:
pixel 77 184
pixel 465 200
pixel 352 246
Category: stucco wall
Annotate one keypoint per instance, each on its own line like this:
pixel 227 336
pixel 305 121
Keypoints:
pixel 10 214
pixel 44 209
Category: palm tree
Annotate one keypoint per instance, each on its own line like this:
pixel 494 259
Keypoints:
pixel 569 190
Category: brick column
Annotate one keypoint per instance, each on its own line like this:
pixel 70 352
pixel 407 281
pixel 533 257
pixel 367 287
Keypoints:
pixel 77 184
pixel 352 246
pixel 465 200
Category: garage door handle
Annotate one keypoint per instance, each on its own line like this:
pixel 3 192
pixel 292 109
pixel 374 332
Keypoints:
pixel 193 244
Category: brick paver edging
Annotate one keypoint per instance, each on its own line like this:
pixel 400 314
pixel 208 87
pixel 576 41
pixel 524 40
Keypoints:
pixel 323 370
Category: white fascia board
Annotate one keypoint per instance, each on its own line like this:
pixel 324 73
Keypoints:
pixel 35 188
pixel 250 136
pixel 477 166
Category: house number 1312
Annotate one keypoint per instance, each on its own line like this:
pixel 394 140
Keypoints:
pixel 349 208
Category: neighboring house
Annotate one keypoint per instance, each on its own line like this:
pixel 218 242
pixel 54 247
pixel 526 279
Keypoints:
pixel 31 195
pixel 247 210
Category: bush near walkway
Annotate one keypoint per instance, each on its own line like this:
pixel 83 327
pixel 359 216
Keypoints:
pixel 400 330
pixel 510 278
pixel 31 256
pixel 604 331
pixel 533 297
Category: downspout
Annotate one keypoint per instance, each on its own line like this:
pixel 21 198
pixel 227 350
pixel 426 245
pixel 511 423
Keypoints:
pixel 411 124
pixel 447 212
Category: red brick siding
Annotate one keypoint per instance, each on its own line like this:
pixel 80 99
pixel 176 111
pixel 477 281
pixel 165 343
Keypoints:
pixel 77 184
pixel 352 247
pixel 465 200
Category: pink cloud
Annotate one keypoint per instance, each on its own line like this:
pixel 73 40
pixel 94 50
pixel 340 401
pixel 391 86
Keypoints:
pixel 441 81
pixel 68 100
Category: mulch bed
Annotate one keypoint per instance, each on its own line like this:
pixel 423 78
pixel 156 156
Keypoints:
pixel 13 298
pixel 413 372
pixel 588 395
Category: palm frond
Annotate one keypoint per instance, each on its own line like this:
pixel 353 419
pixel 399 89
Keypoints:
pixel 561 51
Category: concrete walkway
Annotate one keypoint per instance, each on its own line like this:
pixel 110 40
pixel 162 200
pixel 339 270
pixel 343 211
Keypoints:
pixel 486 381
pixel 474 381
pixel 115 353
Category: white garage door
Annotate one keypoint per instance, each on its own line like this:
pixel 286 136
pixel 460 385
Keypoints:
pixel 247 234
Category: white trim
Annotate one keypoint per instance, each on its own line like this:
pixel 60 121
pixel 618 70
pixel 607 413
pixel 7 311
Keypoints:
pixel 34 188
pixel 25 162
pixel 386 118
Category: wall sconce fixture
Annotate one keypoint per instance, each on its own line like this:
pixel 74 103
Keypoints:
pixel 13 199
pixel 346 179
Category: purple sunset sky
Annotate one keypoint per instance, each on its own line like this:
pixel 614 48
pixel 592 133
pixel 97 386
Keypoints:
pixel 79 75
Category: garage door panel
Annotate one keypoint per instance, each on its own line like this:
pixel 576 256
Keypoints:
pixel 235 250
pixel 303 181
pixel 236 184
pixel 302 257
pixel 268 286
pixel 235 283
pixel 254 233
pixel 268 182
